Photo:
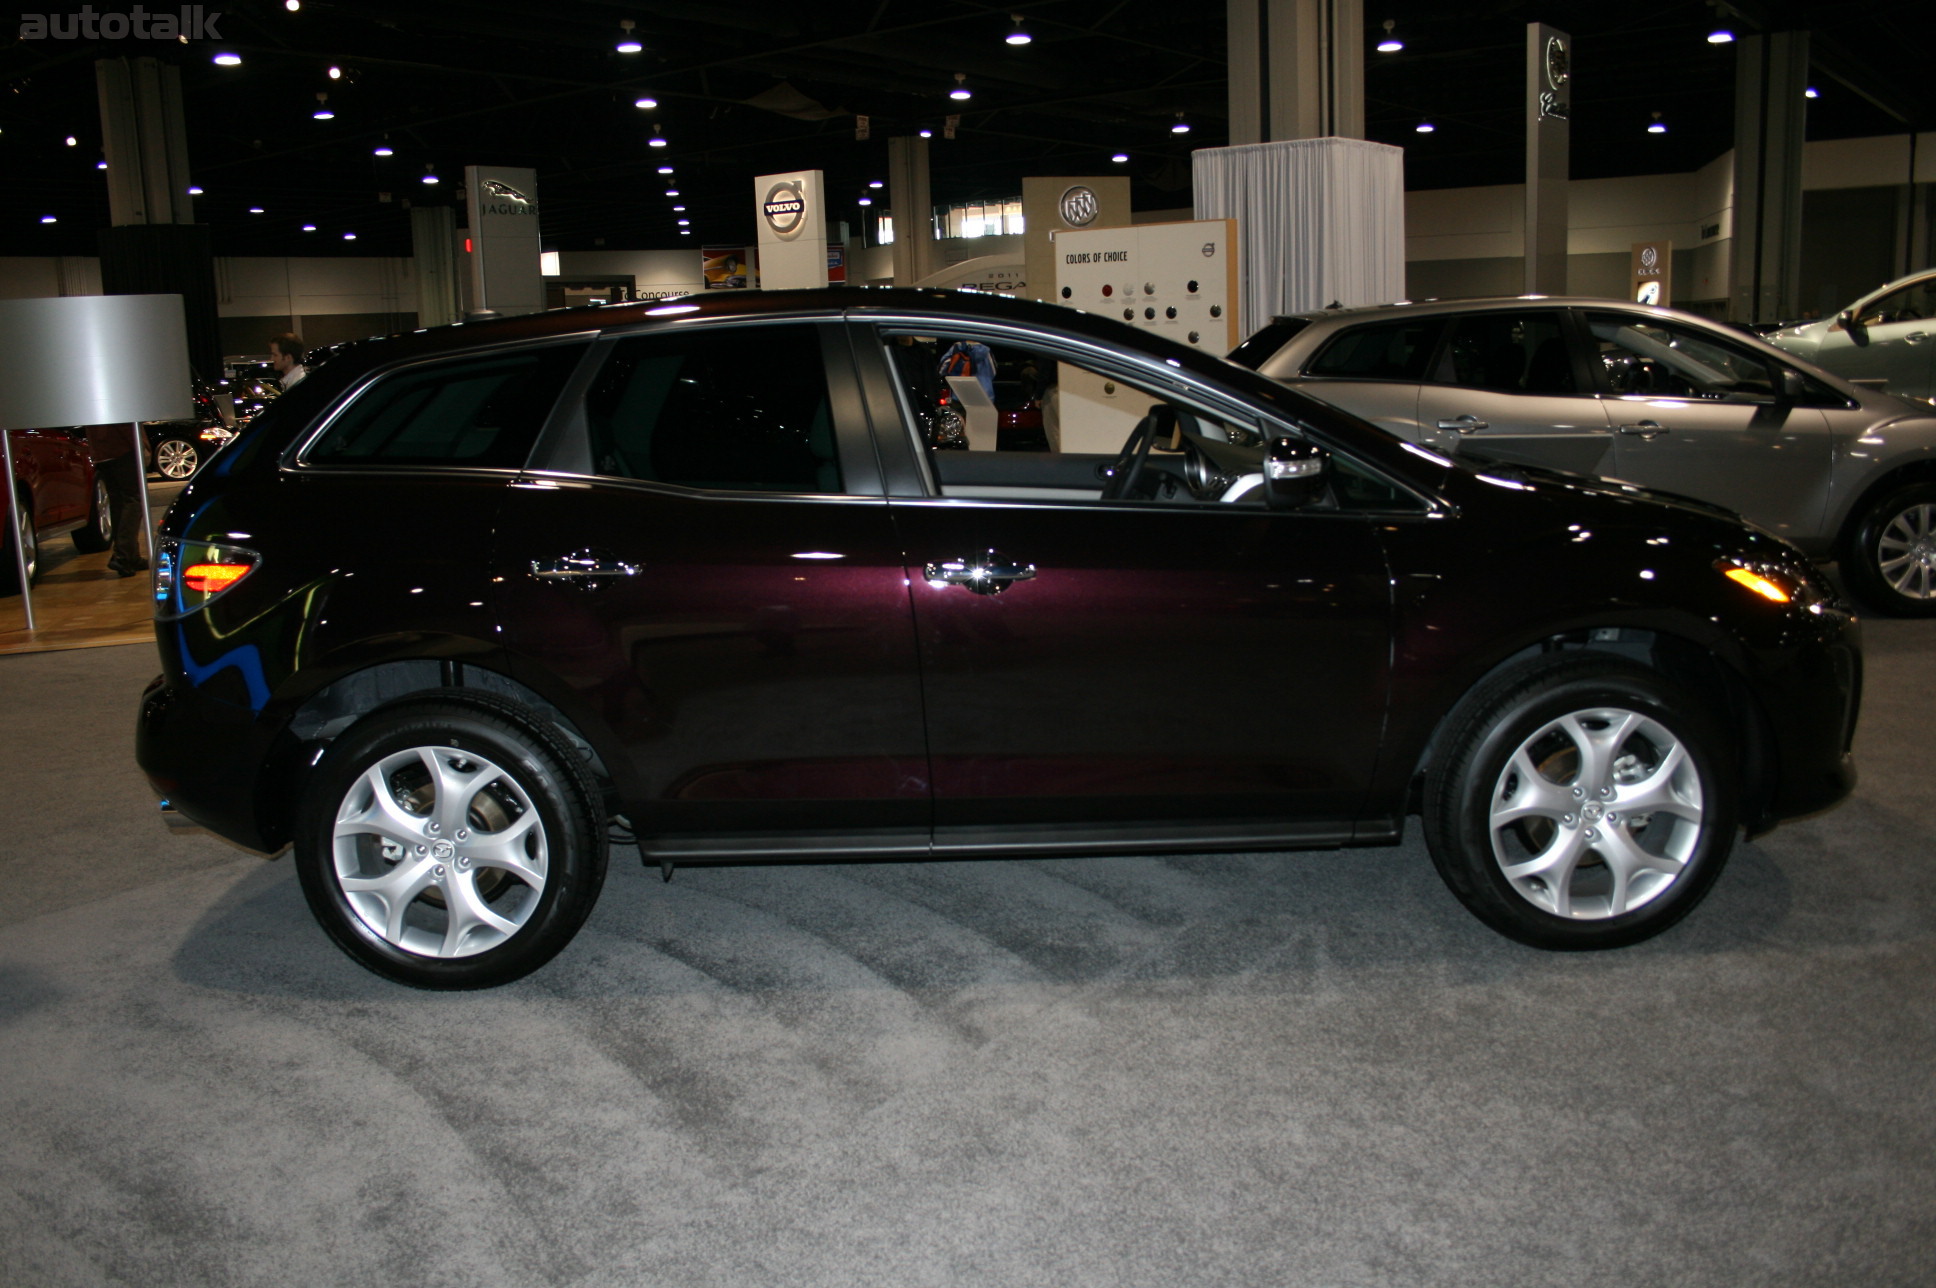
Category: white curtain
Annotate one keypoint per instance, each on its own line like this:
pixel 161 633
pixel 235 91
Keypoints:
pixel 1319 221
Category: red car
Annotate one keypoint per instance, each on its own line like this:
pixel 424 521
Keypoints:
pixel 54 478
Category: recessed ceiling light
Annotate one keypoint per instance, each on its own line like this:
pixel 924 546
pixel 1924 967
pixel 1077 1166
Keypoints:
pixel 194 191
pixel 100 165
pixel 48 219
pixel 1811 92
pixel 678 210
pixel 227 60
pixel 72 141
pixel 349 236
pixel 255 210
pixel 665 169
pixel 309 228
pixel 1120 157
pixel 335 73
pixel 927 134
pixel 684 222
pixel 672 192
pixel 1720 36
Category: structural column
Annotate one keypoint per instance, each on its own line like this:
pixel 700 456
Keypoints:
pixel 1549 156
pixel 1771 73
pixel 1297 70
pixel 913 208
pixel 154 246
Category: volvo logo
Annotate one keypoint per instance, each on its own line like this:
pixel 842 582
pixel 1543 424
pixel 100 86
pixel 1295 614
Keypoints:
pixel 1079 207
pixel 785 209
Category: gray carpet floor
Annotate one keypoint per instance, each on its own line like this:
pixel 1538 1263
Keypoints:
pixel 1291 1069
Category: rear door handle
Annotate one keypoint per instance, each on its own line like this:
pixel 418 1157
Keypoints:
pixel 984 574
pixel 1646 429
pixel 1464 424
pixel 1916 337
pixel 588 568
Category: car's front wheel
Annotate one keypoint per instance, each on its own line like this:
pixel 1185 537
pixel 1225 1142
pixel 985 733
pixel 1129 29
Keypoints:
pixel 97 534
pixel 177 458
pixel 1586 803
pixel 448 844
pixel 29 543
pixel 1890 561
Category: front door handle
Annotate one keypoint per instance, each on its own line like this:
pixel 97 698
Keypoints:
pixel 587 568
pixel 1916 337
pixel 1649 429
pixel 1464 424
pixel 984 574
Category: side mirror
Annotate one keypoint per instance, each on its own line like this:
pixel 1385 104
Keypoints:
pixel 1293 473
pixel 1793 385
pixel 1853 325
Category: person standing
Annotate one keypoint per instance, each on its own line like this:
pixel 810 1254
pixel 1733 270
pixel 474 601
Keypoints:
pixel 121 472
pixel 286 352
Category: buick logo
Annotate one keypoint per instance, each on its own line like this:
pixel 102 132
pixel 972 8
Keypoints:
pixel 1079 207
pixel 785 209
pixel 1649 257
pixel 1557 70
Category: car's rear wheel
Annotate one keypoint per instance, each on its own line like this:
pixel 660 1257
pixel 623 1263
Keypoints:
pixel 1587 803
pixel 29 542
pixel 447 844
pixel 97 534
pixel 177 458
pixel 1890 561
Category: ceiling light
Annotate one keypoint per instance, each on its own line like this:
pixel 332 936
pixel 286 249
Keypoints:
pixel 1424 127
pixel 1811 92
pixel 1018 36
pixel 1120 158
pixel 684 222
pixel 672 192
pixel 309 228
pixel 349 236
pixel 71 140
pixel 292 5
pixel 665 169
pixel 685 232
pixel 322 112
pixel 384 150
pixel 657 140
pixel 194 191
pixel 927 134
pixel 226 59
pixel 1391 44
pixel 876 183
pixel 1181 127
pixel 100 165
pixel 645 104
pixel 678 210
pixel 628 43
pixel 430 173
pixel 961 92
pixel 255 210
pixel 1720 36
pixel 48 219
pixel 1656 127
pixel 336 73
pixel 866 201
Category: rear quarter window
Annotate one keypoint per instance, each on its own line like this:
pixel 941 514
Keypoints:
pixel 1395 350
pixel 481 411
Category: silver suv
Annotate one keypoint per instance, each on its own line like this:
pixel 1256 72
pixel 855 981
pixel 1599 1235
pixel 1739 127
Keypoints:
pixel 1886 339
pixel 1645 395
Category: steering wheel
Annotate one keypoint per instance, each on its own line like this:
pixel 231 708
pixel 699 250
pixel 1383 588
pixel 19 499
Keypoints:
pixel 1127 470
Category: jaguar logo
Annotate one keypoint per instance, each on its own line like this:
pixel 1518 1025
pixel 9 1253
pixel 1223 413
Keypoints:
pixel 785 209
pixel 504 191
pixel 1079 206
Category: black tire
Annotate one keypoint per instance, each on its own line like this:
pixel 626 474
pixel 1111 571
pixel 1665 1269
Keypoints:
pixel 177 458
pixel 1890 559
pixel 526 887
pixel 1572 871
pixel 98 533
pixel 29 540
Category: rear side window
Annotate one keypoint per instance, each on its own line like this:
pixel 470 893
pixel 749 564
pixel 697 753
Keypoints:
pixel 734 409
pixel 481 411
pixel 1521 353
pixel 1393 350
pixel 1273 336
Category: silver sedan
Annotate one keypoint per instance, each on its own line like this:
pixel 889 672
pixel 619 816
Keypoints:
pixel 1886 339
pixel 1650 396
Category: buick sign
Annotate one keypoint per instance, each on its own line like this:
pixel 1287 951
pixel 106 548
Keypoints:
pixel 785 209
pixel 1079 207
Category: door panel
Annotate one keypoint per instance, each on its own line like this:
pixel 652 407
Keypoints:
pixel 1163 664
pixel 1507 388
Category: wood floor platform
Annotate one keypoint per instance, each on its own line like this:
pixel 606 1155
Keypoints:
pixel 79 603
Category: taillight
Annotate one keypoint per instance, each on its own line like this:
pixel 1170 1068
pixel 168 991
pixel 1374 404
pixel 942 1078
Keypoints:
pixel 191 574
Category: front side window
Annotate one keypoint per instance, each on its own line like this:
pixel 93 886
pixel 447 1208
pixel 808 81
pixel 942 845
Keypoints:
pixel 1522 353
pixel 1913 303
pixel 1393 350
pixel 479 412
pixel 1645 357
pixel 736 409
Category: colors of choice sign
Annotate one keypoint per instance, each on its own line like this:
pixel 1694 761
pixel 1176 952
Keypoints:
pixel 793 230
